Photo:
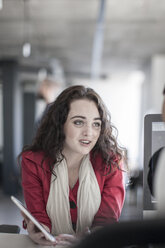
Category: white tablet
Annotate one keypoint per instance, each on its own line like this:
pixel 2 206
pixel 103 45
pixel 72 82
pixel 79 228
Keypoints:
pixel 28 214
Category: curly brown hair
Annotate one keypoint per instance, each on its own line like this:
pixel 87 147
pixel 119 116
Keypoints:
pixel 50 135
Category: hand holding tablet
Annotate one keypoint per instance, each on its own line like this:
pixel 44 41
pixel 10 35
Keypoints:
pixel 36 223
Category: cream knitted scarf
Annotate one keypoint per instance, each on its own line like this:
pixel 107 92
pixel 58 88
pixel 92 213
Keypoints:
pixel 88 198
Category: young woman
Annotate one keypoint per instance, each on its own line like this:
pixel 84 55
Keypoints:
pixel 72 173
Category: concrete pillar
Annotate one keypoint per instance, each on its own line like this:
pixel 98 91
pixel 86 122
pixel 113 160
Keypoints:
pixel 28 117
pixel 11 125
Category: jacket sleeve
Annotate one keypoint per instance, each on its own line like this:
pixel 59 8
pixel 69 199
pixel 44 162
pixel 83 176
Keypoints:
pixel 112 198
pixel 32 184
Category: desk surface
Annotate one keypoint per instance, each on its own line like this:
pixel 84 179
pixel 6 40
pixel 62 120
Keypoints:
pixel 8 240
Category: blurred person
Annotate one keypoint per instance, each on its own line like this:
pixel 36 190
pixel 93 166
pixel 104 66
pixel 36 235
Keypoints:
pixel 72 173
pixel 154 161
pixel 159 181
pixel 47 91
pixel 152 168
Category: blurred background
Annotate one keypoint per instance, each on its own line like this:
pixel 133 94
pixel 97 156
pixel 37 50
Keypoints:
pixel 117 47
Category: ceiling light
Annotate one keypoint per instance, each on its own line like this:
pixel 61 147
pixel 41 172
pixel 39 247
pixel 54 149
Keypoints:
pixel 1 4
pixel 26 49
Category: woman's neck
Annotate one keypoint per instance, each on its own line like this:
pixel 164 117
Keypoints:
pixel 73 160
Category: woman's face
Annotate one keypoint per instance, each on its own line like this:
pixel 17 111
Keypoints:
pixel 82 128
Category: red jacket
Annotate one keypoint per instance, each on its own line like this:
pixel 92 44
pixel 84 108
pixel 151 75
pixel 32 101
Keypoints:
pixel 36 185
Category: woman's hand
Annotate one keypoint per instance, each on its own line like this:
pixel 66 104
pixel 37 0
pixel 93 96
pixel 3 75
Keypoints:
pixel 35 234
pixel 68 239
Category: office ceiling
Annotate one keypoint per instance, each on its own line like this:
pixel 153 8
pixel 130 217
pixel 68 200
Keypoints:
pixel 134 31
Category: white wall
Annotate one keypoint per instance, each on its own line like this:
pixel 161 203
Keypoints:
pixel 157 82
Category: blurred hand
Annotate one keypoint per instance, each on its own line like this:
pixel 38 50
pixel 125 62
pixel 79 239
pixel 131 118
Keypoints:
pixel 66 239
pixel 69 239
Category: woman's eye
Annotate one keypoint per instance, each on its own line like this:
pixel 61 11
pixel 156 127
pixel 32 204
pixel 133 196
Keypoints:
pixel 78 123
pixel 97 124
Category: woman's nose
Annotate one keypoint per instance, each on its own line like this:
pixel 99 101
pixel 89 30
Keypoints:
pixel 87 131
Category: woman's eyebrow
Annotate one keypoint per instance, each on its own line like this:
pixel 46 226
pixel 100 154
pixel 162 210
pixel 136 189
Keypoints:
pixel 83 117
pixel 78 116
pixel 97 118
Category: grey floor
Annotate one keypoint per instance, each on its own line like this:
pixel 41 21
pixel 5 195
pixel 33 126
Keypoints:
pixel 10 214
